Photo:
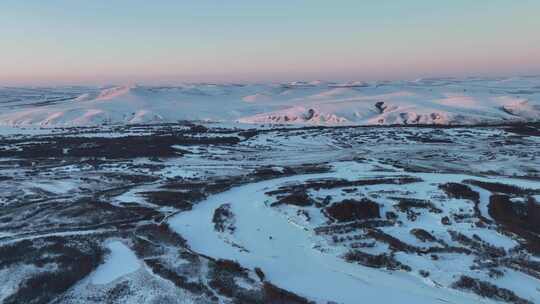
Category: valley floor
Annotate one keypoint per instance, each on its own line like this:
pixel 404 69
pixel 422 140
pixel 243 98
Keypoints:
pixel 192 213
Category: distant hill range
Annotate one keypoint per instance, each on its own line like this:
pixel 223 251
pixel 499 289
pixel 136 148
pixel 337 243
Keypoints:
pixel 444 101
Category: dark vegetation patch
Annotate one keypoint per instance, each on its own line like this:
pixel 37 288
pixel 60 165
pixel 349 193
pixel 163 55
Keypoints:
pixel 197 288
pixel 386 261
pixel 153 240
pixel 197 190
pixel 267 172
pixel 352 210
pixel 5 178
pixel 94 211
pixel 405 204
pixel 223 219
pixel 332 183
pixel 370 235
pixel 153 244
pixel 130 178
pixel 260 274
pixel 84 213
pixel 223 276
pixel 445 220
pixel 502 188
pixel 121 290
pixel 525 129
pixel 75 257
pixel 194 191
pixel 307 169
pixel 460 191
pixel 524 215
pixel 446 249
pixel 176 199
pixel 424 273
pixel 352 226
pixel 230 266
pixel 395 244
pixel 391 216
pixel 429 140
pixel 482 248
pixel 271 172
pixel 488 290
pixel 297 194
pixel 111 148
pixel 524 264
pixel 522 219
pixel 296 198
pixel 408 206
pixel 275 295
pixel 423 235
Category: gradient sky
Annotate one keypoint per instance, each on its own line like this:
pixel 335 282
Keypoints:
pixel 106 41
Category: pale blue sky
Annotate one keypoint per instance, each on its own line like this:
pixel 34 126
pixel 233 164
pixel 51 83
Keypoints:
pixel 102 41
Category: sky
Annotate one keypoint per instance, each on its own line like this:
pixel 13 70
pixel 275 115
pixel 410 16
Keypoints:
pixel 163 41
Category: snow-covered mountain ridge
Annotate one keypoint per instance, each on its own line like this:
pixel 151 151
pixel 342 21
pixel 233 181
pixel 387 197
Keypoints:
pixel 424 101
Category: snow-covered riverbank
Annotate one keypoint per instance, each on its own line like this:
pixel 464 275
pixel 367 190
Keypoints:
pixel 290 254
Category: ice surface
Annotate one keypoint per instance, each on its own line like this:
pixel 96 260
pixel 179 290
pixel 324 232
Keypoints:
pixel 120 262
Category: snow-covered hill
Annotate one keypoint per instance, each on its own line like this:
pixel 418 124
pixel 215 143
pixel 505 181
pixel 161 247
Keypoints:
pixel 424 101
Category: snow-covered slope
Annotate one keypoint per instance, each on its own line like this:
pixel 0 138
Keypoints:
pixel 424 101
